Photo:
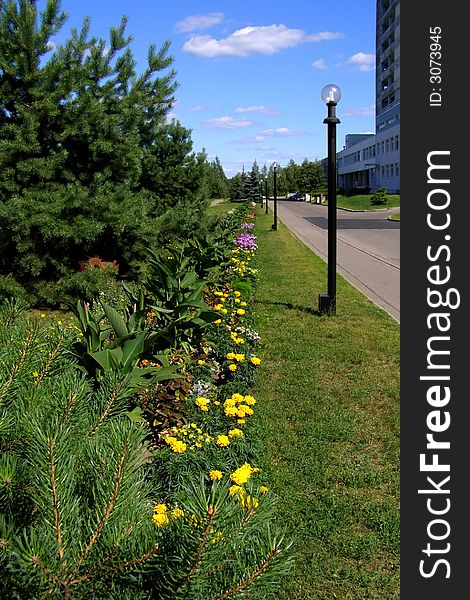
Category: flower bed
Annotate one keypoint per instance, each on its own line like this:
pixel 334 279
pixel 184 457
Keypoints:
pixel 164 499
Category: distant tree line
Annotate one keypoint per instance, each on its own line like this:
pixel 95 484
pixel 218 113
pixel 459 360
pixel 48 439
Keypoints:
pixel 303 178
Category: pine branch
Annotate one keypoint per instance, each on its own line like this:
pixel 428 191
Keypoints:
pixel 246 582
pixel 70 404
pixel 112 399
pixel 55 503
pixel 51 358
pixel 27 347
pixel 118 567
pixel 211 511
pixel 109 508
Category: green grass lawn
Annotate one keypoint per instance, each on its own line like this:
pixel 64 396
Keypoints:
pixel 327 420
pixel 362 202
pixel 395 217
pixel 218 209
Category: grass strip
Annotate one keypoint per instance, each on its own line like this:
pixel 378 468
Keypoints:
pixel 327 422
pixel 362 202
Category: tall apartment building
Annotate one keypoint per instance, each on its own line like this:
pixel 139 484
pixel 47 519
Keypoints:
pixel 373 160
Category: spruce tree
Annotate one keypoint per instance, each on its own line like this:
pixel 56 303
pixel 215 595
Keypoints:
pixel 88 164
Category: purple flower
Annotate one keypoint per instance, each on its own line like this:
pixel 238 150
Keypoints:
pixel 247 225
pixel 246 241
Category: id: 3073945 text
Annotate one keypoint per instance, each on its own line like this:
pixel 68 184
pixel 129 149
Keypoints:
pixel 435 66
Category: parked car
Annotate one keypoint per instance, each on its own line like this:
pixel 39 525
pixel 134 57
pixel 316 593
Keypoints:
pixel 296 197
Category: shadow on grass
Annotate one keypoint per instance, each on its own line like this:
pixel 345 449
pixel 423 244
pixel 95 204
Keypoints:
pixel 290 306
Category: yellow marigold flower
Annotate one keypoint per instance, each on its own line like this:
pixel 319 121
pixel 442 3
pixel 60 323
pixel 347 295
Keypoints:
pixel 237 300
pixel 242 474
pixel 240 311
pixel 202 362
pixel 35 374
pixel 240 357
pixel 243 303
pixel 218 306
pixel 215 474
pixel 223 299
pixel 237 293
pixel 216 402
pixel 237 397
pixel 241 421
pixel 176 445
pixel 263 489
pixel 233 335
pixel 232 367
pixel 176 513
pixel 218 321
pixel 231 355
pixel 224 311
pixel 202 403
pixel 235 433
pixel 249 400
pixel 239 341
pixel 255 360
pixel 230 402
pixel 160 509
pixel 222 441
pixel 235 489
pixel 218 294
pixel 42 316
pixel 231 411
pixel 160 519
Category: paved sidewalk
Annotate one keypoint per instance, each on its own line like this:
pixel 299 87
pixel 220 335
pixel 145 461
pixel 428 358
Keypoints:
pixel 367 259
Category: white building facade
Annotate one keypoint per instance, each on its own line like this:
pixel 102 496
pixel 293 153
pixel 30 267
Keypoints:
pixel 371 161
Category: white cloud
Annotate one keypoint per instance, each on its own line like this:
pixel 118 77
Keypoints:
pixel 319 64
pixel 194 22
pixel 364 111
pixel 266 39
pixel 362 61
pixel 283 131
pixel 227 123
pixel 257 109
pixel 197 108
pixel 252 139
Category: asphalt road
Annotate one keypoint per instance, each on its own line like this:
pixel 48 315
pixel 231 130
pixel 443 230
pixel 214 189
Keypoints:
pixel 368 251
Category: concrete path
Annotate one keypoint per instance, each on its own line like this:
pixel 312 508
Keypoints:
pixel 368 251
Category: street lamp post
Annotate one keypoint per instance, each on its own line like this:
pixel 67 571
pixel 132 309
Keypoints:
pixel 274 225
pixel 266 193
pixel 331 95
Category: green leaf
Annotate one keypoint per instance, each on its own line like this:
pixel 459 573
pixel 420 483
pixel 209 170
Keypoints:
pixel 108 359
pixel 117 322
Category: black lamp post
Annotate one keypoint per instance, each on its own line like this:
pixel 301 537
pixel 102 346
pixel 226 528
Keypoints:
pixel 266 193
pixel 331 95
pixel 274 225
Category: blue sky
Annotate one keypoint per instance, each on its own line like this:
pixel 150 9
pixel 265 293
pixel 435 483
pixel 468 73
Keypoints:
pixel 250 73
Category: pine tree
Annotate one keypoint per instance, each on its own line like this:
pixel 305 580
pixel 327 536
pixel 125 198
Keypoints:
pixel 253 182
pixel 88 164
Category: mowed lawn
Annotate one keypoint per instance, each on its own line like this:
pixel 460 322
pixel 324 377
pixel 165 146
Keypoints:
pixel 327 421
